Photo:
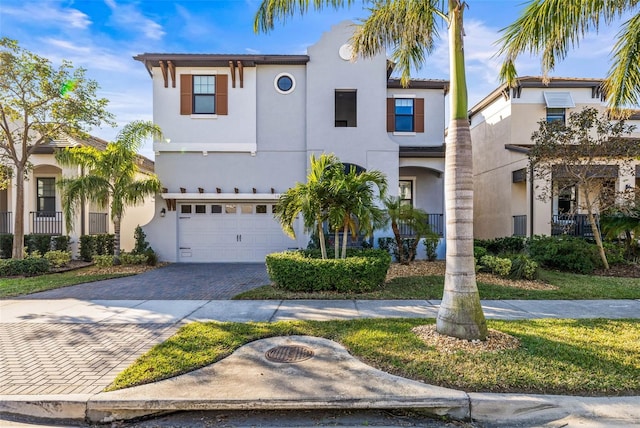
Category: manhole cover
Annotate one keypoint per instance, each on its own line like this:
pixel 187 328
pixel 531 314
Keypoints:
pixel 289 354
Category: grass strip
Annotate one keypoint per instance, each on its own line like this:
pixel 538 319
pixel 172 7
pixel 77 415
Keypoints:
pixel 12 287
pixel 572 357
pixel 568 287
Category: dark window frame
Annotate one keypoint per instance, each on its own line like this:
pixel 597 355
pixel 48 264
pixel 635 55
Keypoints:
pixel 556 114
pixel 410 199
pixel 45 203
pixel 412 115
pixel 346 108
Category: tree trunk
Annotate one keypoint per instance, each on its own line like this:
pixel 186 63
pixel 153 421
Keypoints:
pixel 323 246
pixel 596 231
pixel 400 247
pixel 18 226
pixel 336 243
pixel 345 233
pixel 116 240
pixel 460 314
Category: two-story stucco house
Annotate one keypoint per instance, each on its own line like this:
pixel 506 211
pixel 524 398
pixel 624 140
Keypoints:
pixel 239 130
pixel 506 193
pixel 43 199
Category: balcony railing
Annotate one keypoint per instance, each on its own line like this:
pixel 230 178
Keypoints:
pixel 519 225
pixel 573 225
pixel 98 223
pixel 435 221
pixel 46 222
pixel 5 223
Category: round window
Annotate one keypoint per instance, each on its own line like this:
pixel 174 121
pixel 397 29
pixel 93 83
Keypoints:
pixel 284 83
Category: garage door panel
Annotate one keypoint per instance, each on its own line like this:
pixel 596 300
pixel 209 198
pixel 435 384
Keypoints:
pixel 243 235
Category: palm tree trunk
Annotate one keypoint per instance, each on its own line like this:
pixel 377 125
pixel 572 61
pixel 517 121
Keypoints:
pixel 18 226
pixel 116 240
pixel 323 246
pixel 460 314
pixel 336 243
pixel 345 233
pixel 399 245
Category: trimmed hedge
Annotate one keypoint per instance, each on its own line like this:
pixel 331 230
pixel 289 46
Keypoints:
pixel 26 267
pixel 362 271
pixel 564 253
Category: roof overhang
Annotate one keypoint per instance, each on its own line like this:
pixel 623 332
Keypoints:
pixel 422 152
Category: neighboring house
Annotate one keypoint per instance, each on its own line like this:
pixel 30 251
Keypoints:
pixel 43 199
pixel 240 130
pixel 506 194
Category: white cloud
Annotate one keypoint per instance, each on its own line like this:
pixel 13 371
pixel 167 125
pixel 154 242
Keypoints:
pixel 89 56
pixel 48 14
pixel 128 17
pixel 252 51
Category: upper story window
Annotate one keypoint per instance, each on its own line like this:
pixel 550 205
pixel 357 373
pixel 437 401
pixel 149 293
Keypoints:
pixel 284 83
pixel 405 114
pixel 203 94
pixel 46 199
pixel 556 115
pixel 405 190
pixel 346 111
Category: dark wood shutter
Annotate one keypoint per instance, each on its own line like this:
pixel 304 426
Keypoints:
pixel 391 114
pixel 222 91
pixel 418 112
pixel 186 94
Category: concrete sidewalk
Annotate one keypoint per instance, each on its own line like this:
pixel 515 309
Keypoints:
pixel 56 355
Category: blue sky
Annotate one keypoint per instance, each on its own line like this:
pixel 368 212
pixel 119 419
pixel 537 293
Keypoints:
pixel 103 36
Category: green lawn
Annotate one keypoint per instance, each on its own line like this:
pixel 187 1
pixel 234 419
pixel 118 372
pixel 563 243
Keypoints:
pixel 568 286
pixel 12 287
pixel 575 357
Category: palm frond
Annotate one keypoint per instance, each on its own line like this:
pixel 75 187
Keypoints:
pixel 131 136
pixel 622 85
pixel 74 190
pixel 85 156
pixel 271 11
pixel 407 27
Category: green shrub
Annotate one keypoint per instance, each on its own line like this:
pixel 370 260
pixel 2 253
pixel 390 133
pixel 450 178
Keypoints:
pixel 430 245
pixel 479 252
pixel 141 245
pixel 496 265
pixel 40 243
pixel 26 267
pixel 522 267
pixel 564 253
pixel 152 257
pixel 299 271
pixel 132 259
pixel 87 247
pixel 103 261
pixel 104 244
pixel 504 245
pixel 6 246
pixel 58 258
pixel 615 252
pixel 61 243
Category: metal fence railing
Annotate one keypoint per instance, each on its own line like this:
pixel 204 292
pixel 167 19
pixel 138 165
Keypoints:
pixel 435 221
pixel 519 225
pixel 5 223
pixel 572 224
pixel 98 223
pixel 46 222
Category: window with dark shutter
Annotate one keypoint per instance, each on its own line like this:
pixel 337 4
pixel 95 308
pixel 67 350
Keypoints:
pixel 405 115
pixel 204 94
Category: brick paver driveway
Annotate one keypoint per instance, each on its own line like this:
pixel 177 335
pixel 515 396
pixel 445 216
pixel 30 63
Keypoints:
pixel 177 281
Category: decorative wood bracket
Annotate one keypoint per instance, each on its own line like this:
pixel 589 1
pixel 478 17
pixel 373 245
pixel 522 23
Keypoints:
pixel 163 67
pixel 233 74
pixel 172 73
pixel 241 73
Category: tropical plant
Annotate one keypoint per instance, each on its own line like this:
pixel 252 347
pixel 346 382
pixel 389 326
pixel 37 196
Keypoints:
pixel 409 28
pixel 38 104
pixel 413 220
pixel 311 199
pixel 550 27
pixel 109 176
pixel 354 207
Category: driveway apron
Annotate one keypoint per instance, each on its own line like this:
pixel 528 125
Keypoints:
pixel 177 281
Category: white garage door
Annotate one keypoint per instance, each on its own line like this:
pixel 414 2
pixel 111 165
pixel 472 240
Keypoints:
pixel 229 232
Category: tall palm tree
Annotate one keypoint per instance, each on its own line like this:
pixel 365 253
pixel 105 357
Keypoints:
pixel 110 176
pixel 409 27
pixel 551 27
pixel 311 199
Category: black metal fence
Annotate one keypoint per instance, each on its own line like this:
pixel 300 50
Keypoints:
pixel 519 225
pixel 46 222
pixel 435 221
pixel 5 223
pixel 572 224
pixel 98 223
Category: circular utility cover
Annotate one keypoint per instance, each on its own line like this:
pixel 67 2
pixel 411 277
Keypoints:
pixel 345 52
pixel 289 354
